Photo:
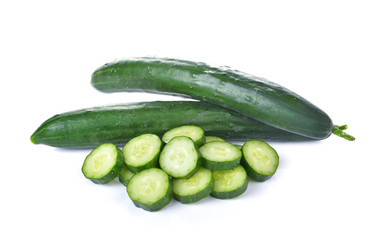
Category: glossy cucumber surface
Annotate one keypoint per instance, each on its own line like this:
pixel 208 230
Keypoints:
pixel 117 124
pixel 249 95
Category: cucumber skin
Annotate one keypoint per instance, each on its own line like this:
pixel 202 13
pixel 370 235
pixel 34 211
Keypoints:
pixel 252 96
pixel 90 127
pixel 114 173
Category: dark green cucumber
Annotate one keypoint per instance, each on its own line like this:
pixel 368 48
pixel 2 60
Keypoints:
pixel 88 128
pixel 251 96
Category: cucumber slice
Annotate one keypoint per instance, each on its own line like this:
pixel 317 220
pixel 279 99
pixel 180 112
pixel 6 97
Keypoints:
pixel 103 164
pixel 180 158
pixel 229 183
pixel 260 160
pixel 194 132
pixel 142 152
pixel 195 188
pixel 213 138
pixel 125 175
pixel 220 155
pixel 150 189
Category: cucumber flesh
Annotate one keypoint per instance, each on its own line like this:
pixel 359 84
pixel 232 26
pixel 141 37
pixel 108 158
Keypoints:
pixel 195 188
pixel 125 175
pixel 142 152
pixel 150 189
pixel 213 138
pixel 180 158
pixel 103 164
pixel 259 159
pixel 194 132
pixel 229 183
pixel 219 155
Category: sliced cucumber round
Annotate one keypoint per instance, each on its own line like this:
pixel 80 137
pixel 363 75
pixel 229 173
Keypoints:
pixel 103 164
pixel 194 132
pixel 150 189
pixel 142 152
pixel 180 158
pixel 195 188
pixel 125 175
pixel 219 155
pixel 214 138
pixel 229 183
pixel 260 160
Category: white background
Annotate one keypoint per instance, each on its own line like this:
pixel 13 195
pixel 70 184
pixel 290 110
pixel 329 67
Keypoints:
pixel 323 50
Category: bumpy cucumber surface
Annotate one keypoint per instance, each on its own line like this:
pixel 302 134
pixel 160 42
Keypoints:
pixel 88 128
pixel 252 96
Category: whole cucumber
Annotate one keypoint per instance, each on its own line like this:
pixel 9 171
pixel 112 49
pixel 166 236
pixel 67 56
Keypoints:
pixel 251 96
pixel 117 124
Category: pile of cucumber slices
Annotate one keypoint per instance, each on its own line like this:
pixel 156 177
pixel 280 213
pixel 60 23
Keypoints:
pixel 184 164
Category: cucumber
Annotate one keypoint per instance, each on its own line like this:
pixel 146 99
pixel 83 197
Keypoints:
pixel 180 158
pixel 103 164
pixel 194 132
pixel 251 96
pixel 90 127
pixel 213 138
pixel 125 175
pixel 219 155
pixel 195 188
pixel 259 159
pixel 142 152
pixel 150 189
pixel 229 183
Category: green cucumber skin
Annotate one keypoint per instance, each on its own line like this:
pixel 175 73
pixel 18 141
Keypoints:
pixel 88 128
pixel 252 96
pixel 198 196
pixel 114 173
pixel 220 166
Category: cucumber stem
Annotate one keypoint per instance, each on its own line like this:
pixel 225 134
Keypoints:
pixel 338 130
